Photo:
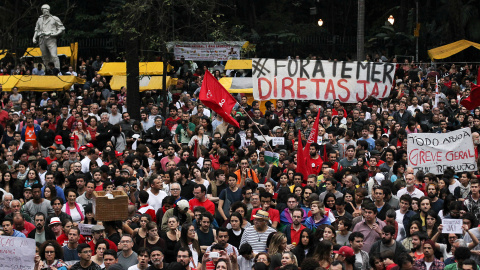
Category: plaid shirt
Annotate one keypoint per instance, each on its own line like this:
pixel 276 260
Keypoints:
pixel 436 265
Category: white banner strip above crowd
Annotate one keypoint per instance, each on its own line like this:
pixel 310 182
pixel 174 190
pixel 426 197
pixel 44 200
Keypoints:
pixel 350 82
pixel 434 152
pixel 207 51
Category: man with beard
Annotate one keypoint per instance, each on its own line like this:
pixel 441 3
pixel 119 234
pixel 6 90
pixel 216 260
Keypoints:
pixel 157 134
pixel 170 157
pixel 388 243
pixel 432 193
pixel 315 160
pixel 418 238
pixel 476 142
pixel 57 204
pixel 257 235
pixel 184 256
pixel 429 262
pixel 410 189
pixel 156 258
pixel 172 121
pixel 425 206
pixel 41 233
pixel 294 230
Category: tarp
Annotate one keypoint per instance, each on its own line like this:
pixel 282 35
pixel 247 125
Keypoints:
pixel 120 68
pixel 146 82
pixel 36 52
pixel 8 82
pixel 239 64
pixel 451 49
pixel 237 84
pixel 47 83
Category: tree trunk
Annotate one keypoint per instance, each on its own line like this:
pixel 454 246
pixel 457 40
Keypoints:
pixel 133 87
pixel 361 31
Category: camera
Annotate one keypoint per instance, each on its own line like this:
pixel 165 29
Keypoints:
pixel 214 255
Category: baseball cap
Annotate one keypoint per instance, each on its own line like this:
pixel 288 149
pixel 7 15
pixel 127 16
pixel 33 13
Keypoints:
pixel 117 154
pixel 54 220
pixel 385 135
pixel 125 171
pixel 345 251
pixel 52 147
pixel 183 204
pixel 379 177
pixel 89 145
pixel 82 148
pixel 58 139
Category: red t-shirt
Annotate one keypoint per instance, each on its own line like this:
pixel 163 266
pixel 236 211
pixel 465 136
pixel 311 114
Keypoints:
pixel 110 243
pixel 27 228
pixel 49 160
pixel 209 205
pixel 3 117
pixel 295 235
pixel 274 215
pixel 316 165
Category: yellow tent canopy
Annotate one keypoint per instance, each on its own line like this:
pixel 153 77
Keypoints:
pixel 36 52
pixel 3 53
pixel 8 82
pixel 120 68
pixel 47 83
pixel 237 85
pixel 146 82
pixel 451 49
pixel 239 64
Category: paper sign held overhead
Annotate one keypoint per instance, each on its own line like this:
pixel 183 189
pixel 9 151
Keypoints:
pixel 452 226
pixel 278 141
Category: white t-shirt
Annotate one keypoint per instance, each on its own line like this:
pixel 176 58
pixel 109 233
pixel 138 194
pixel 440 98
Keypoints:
pixel 399 217
pixel 451 188
pixel 428 264
pixel 156 200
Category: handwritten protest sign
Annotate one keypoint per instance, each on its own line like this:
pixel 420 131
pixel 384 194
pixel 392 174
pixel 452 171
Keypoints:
pixel 278 141
pixel 452 226
pixel 17 253
pixel 434 152
pixel 85 229
pixel 350 82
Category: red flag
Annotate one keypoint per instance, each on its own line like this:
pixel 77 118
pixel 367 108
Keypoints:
pixel 313 137
pixel 301 159
pixel 472 101
pixel 217 98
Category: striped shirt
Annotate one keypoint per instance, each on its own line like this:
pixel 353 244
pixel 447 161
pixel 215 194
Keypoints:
pixel 258 240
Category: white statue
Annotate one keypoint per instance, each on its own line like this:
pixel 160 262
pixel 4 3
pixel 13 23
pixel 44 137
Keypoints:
pixel 47 29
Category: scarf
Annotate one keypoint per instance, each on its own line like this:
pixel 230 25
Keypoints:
pixel 464 191
pixel 78 209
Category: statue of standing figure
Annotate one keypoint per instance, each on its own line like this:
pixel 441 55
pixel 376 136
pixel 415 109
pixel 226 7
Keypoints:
pixel 47 29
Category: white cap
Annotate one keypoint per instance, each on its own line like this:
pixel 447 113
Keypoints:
pixel 379 177
pixel 182 204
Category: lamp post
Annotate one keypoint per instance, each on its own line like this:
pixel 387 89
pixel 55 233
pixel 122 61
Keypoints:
pixel 320 22
pixel 391 20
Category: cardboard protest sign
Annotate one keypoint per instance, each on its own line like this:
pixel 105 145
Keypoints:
pixel 452 226
pixel 350 82
pixel 17 253
pixel 434 152
pixel 85 229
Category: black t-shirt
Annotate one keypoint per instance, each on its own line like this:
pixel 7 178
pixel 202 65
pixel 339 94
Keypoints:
pixel 219 188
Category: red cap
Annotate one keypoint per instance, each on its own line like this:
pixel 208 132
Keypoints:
pixel 58 139
pixel 89 145
pixel 82 148
pixel 117 154
pixel 345 252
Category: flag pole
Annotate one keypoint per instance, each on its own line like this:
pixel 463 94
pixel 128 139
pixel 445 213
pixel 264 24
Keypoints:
pixel 256 126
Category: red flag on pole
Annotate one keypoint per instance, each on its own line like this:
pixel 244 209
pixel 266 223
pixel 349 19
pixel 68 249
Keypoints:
pixel 217 98
pixel 313 137
pixel 301 159
pixel 473 100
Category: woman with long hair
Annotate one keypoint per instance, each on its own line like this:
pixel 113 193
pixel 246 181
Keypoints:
pixel 278 244
pixel 329 233
pixel 189 240
pixel 81 135
pixel 318 217
pixel 118 139
pixel 415 226
pixel 8 134
pixel 49 192
pixel 100 247
pixel 32 178
pixel 137 129
pixel 323 253
pixel 92 128
pixel 7 182
pixel 199 139
pixel 152 239
pixel 171 237
pixel 198 177
pixel 305 248
pixel 140 233
pixel 329 201
pixel 63 130
pixel 236 231
pixel 207 125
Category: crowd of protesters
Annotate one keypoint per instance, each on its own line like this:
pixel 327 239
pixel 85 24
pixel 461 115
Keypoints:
pixel 206 195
